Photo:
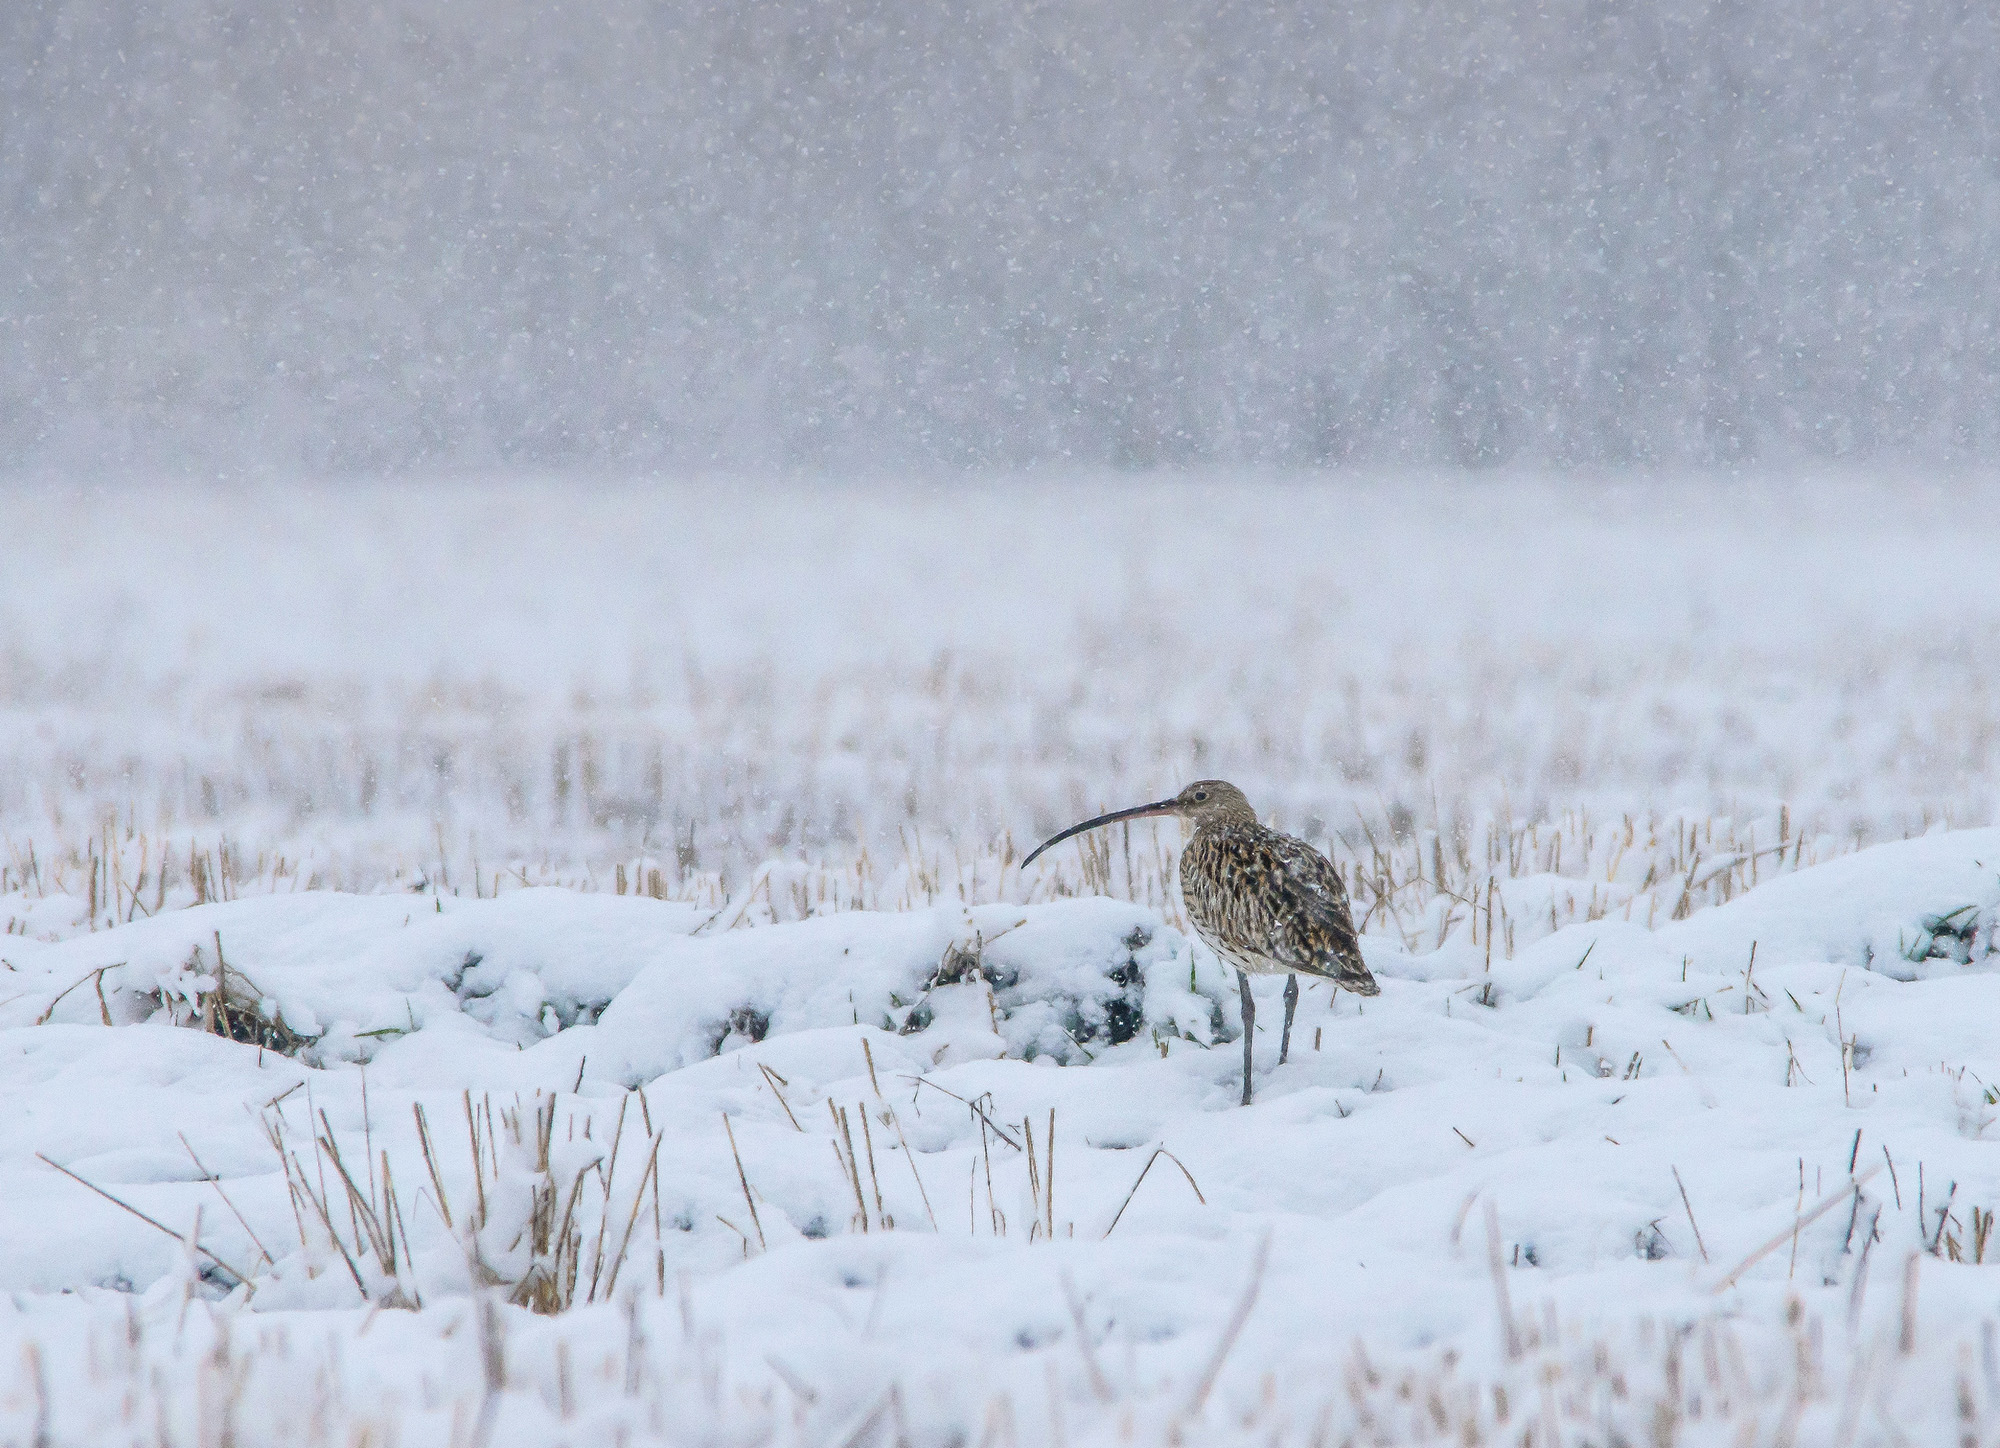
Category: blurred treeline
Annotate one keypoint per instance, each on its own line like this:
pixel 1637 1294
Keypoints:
pixel 375 234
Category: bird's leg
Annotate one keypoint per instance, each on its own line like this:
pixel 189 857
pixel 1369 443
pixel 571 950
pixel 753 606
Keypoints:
pixel 1291 1009
pixel 1249 1029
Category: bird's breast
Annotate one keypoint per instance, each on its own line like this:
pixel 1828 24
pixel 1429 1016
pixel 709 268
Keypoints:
pixel 1224 904
pixel 1234 953
pixel 1223 923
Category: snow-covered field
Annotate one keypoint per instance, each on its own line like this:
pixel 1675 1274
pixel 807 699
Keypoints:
pixel 588 996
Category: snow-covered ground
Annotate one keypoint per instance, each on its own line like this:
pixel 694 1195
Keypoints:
pixel 555 1123
pixel 389 682
pixel 871 1175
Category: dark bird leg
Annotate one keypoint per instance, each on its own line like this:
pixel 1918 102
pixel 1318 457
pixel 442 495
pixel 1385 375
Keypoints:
pixel 1291 1009
pixel 1249 1029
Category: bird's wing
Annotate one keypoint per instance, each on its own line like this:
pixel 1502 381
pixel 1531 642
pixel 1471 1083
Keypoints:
pixel 1314 931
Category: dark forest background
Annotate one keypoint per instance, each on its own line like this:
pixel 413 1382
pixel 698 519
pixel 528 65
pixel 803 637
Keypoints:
pixel 366 235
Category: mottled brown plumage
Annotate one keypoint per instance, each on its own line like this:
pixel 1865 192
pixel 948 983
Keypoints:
pixel 1267 903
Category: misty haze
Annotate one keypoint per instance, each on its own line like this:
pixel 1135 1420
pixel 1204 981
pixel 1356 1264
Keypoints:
pixel 362 236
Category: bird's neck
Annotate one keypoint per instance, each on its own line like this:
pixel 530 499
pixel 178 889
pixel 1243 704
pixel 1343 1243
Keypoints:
pixel 1220 821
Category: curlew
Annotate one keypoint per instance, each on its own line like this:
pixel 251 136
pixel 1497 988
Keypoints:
pixel 1267 903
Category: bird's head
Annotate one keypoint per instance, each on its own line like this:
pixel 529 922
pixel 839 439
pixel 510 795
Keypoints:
pixel 1205 802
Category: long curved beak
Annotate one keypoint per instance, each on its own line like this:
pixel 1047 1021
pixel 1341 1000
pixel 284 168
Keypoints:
pixel 1159 807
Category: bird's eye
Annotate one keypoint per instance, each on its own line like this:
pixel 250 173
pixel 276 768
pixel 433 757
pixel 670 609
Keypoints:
pixel 1201 794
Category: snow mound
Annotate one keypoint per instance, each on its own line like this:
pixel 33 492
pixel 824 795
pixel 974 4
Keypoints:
pixel 626 981
pixel 1914 910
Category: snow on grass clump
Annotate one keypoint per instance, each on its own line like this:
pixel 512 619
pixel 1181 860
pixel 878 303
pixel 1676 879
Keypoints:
pixel 630 982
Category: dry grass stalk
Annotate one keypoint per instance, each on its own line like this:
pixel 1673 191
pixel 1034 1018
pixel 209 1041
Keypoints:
pixel 1832 1200
pixel 777 1084
pixel 1158 1152
pixel 925 1196
pixel 1233 1329
pixel 215 1181
pixel 1703 1246
pixel 1498 1269
pixel 96 976
pixel 874 1182
pixel 843 1151
pixel 191 1239
pixel 743 1179
pixel 555 1271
